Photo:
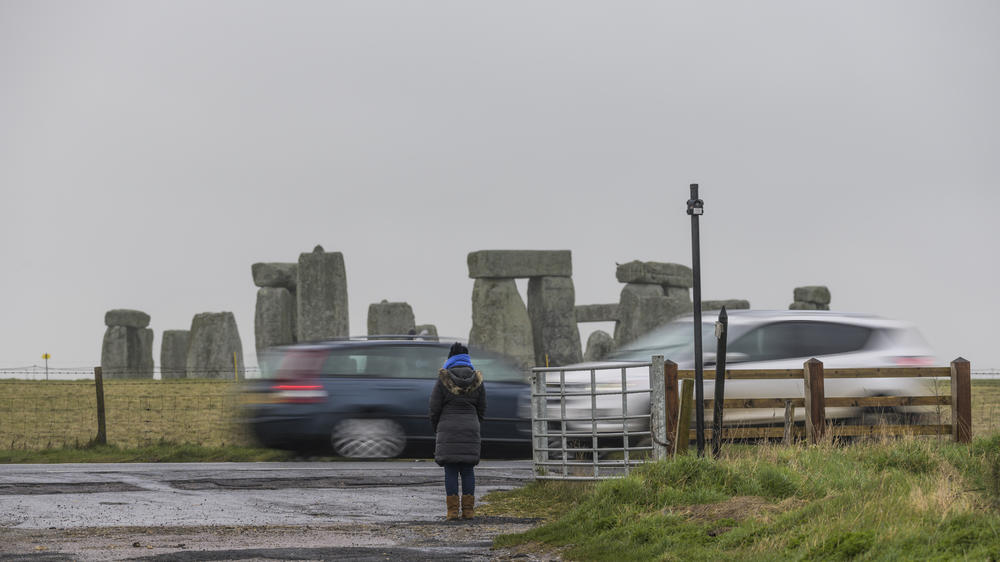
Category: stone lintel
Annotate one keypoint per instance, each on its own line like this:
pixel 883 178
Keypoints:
pixel 655 273
pixel 597 312
pixel 519 264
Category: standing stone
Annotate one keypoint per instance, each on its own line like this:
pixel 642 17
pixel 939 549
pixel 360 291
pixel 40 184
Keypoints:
pixel 677 292
pixel 274 317
pixel 322 296
pixel 552 310
pixel 214 341
pixel 599 345
pixel 173 354
pixel 644 307
pixel 127 349
pixel 390 318
pixel 500 321
pixel 513 264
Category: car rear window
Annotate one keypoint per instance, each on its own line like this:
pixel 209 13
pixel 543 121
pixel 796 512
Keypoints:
pixel 784 340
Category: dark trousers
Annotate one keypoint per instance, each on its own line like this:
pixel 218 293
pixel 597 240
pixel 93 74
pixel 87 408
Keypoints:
pixel 451 473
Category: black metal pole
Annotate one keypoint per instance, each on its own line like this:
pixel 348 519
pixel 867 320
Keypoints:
pixel 695 209
pixel 721 332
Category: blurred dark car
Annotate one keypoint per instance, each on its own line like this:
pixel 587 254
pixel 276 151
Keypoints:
pixel 368 398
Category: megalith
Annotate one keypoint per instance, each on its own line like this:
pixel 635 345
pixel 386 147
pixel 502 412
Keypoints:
pixel 654 294
pixel 273 318
pixel 390 318
pixel 127 350
pixel 500 321
pixel 173 354
pixel 813 297
pixel 322 296
pixel 271 276
pixel 599 345
pixel 552 319
pixel 552 311
pixel 644 307
pixel 215 350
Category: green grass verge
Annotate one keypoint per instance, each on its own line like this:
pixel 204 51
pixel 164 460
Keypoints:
pixel 160 452
pixel 910 499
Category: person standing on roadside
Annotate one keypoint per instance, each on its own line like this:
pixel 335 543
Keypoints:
pixel 457 407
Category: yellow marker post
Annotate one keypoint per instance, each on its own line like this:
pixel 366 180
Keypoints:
pixel 236 370
pixel 46 357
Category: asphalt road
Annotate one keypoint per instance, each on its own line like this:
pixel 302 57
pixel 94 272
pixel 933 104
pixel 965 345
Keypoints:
pixel 246 511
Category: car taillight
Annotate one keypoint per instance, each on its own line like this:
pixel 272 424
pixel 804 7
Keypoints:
pixel 300 393
pixel 914 361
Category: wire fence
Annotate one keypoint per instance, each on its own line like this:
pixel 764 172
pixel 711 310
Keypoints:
pixel 40 373
pixel 50 414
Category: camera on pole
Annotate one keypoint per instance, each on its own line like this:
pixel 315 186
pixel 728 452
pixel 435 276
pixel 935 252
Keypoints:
pixel 696 208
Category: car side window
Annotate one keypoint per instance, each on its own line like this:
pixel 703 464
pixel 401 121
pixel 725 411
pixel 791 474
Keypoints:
pixel 412 362
pixel 786 340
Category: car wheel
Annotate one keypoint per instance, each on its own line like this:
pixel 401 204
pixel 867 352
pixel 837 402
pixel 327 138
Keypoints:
pixel 364 438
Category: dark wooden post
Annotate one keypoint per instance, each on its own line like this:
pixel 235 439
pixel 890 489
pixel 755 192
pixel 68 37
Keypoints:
pixel 684 418
pixel 812 372
pixel 102 433
pixel 672 405
pixel 961 400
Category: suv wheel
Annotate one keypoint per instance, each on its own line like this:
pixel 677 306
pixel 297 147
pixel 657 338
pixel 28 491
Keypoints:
pixel 363 438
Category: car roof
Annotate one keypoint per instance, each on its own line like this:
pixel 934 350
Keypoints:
pixel 749 317
pixel 372 341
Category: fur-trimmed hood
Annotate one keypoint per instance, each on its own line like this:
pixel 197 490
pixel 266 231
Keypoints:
pixel 460 380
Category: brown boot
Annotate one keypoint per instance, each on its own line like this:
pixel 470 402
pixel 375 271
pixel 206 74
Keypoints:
pixel 468 501
pixel 452 502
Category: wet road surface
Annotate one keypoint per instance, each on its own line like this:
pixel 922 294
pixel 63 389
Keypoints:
pixel 247 511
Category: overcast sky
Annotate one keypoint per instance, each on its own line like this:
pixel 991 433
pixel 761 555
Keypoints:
pixel 150 152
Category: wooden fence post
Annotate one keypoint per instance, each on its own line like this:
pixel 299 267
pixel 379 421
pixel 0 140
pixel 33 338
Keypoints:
pixel 672 406
pixel 684 418
pixel 812 372
pixel 961 401
pixel 657 409
pixel 102 434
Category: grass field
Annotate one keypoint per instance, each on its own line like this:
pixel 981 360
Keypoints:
pixel 52 414
pixel 898 499
pixel 55 414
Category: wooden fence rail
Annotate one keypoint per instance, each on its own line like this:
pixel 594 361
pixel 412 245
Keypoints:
pixel 679 409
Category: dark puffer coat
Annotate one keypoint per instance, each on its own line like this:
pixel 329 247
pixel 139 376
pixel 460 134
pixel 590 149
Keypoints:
pixel 458 404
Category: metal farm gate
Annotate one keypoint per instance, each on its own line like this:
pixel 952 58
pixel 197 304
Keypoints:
pixel 595 423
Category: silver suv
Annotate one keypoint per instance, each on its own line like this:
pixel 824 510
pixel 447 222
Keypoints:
pixel 757 339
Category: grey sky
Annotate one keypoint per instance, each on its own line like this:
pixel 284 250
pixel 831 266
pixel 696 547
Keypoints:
pixel 151 152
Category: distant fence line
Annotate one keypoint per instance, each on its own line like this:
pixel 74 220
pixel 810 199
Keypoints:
pixel 36 372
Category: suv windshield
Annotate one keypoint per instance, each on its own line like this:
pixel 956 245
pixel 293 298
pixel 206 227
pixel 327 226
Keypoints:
pixel 674 341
